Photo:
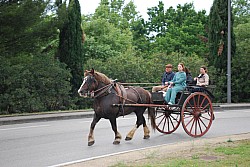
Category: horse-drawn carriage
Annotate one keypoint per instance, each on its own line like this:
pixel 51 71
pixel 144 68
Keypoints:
pixel 193 109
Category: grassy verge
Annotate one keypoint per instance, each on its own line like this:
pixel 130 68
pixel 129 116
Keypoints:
pixel 230 153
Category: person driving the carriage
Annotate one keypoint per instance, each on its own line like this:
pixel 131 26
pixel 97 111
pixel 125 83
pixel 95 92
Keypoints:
pixel 177 84
pixel 167 76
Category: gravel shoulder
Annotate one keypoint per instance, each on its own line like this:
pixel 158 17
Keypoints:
pixel 142 156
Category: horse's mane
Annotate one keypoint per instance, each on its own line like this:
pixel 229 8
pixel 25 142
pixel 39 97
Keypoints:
pixel 101 77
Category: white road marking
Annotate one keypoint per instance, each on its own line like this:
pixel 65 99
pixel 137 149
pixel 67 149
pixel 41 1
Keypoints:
pixel 120 118
pixel 106 155
pixel 246 111
pixel 26 127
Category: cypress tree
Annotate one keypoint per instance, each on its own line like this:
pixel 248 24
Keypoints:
pixel 70 44
pixel 217 36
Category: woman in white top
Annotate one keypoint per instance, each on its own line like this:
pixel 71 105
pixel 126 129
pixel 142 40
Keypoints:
pixel 203 78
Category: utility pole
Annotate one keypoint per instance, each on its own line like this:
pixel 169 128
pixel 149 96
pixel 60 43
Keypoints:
pixel 229 54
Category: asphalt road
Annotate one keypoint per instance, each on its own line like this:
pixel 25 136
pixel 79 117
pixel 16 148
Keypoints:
pixel 55 143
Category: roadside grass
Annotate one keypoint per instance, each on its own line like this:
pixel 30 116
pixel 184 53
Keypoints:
pixel 226 154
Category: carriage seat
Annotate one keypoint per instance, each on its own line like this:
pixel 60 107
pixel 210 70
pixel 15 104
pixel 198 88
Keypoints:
pixel 208 90
pixel 158 98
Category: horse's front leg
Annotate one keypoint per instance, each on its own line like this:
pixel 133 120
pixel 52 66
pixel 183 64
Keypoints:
pixel 118 136
pixel 91 139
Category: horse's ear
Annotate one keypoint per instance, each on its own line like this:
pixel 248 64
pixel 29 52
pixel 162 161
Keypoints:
pixel 92 71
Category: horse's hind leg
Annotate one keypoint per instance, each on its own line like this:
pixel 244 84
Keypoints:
pixel 146 131
pixel 140 121
pixel 91 139
pixel 118 136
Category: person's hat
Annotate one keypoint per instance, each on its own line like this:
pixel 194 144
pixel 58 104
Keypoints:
pixel 169 66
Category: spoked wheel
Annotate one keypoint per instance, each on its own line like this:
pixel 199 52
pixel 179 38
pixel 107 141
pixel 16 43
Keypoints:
pixel 167 121
pixel 197 114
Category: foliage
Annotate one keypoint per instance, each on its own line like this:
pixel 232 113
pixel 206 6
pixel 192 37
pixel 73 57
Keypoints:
pixel 240 64
pixel 117 42
pixel 25 27
pixel 177 30
pixel 218 21
pixel 70 44
pixel 104 40
pixel 129 67
pixel 116 12
pixel 241 11
pixel 218 42
pixel 33 83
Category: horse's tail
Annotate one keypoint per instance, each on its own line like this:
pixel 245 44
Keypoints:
pixel 151 113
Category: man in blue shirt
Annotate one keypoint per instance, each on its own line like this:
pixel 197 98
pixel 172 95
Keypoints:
pixel 167 76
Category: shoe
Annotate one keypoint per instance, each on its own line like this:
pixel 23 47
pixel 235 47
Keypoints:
pixel 169 103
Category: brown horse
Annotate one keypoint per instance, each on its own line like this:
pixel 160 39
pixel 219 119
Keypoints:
pixel 106 93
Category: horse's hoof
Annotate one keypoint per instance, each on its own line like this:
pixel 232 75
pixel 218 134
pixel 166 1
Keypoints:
pixel 116 142
pixel 146 137
pixel 90 143
pixel 128 138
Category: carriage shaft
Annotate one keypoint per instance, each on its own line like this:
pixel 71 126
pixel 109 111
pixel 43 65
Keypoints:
pixel 139 105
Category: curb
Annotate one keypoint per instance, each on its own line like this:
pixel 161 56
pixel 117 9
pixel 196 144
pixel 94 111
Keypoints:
pixel 89 114
pixel 45 117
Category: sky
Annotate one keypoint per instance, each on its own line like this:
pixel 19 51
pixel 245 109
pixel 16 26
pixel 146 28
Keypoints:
pixel 89 6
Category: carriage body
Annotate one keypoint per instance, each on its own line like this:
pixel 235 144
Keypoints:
pixel 193 109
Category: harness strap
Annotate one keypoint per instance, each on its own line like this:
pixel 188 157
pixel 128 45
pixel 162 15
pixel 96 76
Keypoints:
pixel 121 93
pixel 136 92
pixel 103 91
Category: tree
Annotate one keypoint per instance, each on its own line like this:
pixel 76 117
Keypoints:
pixel 241 11
pixel 240 64
pixel 217 36
pixel 104 40
pixel 177 30
pixel 27 86
pixel 116 12
pixel 25 26
pixel 70 45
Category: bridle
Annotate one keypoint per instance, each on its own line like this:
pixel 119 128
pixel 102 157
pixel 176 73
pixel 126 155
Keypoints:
pixel 103 91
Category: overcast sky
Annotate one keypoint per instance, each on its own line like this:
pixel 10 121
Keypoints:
pixel 89 6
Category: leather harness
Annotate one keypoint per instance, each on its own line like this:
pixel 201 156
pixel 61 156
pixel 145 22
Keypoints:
pixel 120 92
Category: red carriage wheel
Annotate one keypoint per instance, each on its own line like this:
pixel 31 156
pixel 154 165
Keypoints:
pixel 167 121
pixel 197 114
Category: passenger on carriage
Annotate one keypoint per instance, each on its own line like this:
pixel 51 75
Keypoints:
pixel 202 80
pixel 189 80
pixel 178 83
pixel 167 76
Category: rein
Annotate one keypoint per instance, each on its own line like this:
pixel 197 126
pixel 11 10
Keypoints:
pixel 102 91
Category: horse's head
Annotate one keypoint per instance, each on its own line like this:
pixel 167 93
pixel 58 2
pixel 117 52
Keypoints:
pixel 89 84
